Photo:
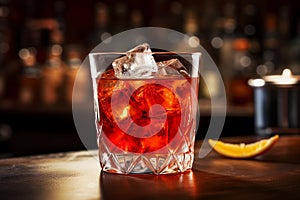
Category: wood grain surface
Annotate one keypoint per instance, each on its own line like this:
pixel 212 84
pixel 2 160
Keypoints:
pixel 77 175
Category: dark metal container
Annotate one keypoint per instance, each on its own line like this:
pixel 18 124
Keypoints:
pixel 277 104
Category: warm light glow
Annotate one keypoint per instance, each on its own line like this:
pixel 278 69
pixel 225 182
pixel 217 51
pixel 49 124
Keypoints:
pixel 286 73
pixel 245 61
pixel 194 41
pixel 256 82
pixel 81 171
pixel 24 53
pixel 217 42
pixel 286 78
pixel 262 70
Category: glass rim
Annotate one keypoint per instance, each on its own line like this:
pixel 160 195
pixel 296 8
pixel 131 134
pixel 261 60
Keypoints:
pixel 156 52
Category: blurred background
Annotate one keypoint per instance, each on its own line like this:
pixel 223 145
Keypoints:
pixel 42 44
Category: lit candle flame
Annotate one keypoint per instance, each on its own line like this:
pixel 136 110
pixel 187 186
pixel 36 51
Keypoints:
pixel 286 78
pixel 286 73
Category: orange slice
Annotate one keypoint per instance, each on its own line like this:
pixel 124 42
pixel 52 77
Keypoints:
pixel 243 150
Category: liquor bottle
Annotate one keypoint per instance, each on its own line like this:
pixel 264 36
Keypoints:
pixel 54 68
pixel 101 29
pixel 74 61
pixel 52 76
pixel 229 24
pixel 240 93
pixel 270 43
pixel 30 77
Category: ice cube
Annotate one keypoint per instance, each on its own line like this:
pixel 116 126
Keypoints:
pixel 164 70
pixel 171 67
pixel 140 48
pixel 137 63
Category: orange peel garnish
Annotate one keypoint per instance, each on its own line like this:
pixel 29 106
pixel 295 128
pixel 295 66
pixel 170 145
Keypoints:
pixel 243 150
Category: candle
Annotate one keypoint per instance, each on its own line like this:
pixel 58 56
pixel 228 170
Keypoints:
pixel 276 103
pixel 286 78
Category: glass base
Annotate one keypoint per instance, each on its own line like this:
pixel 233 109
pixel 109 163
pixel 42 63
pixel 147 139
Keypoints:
pixel 177 156
pixel 147 163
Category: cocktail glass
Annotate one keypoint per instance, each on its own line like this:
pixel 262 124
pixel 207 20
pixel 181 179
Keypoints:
pixel 146 124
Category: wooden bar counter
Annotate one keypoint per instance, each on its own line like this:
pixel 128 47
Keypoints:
pixel 76 175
